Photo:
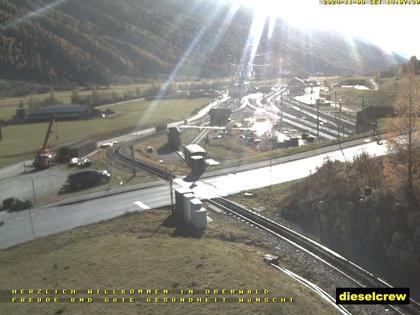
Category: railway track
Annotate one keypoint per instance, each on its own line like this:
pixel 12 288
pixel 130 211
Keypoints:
pixel 355 273
pixel 119 155
pixel 351 126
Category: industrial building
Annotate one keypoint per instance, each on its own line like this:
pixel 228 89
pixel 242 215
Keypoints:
pixel 194 150
pixel 60 112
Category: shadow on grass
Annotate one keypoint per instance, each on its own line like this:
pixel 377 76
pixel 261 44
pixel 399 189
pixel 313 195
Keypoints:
pixel 181 229
pixel 186 230
pixel 166 149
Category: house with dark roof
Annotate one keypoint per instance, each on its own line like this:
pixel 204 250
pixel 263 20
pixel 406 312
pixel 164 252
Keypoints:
pixel 60 112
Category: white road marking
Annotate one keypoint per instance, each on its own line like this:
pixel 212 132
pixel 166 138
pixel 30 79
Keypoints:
pixel 141 205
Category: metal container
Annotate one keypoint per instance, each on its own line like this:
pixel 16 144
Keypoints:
pixel 198 164
pixel 199 218
pixel 187 207
pixel 179 202
pixel 195 205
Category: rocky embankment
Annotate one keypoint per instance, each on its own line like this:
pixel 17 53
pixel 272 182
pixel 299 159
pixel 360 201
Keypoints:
pixel 382 228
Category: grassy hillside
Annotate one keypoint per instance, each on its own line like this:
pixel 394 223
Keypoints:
pixel 145 251
pixel 98 41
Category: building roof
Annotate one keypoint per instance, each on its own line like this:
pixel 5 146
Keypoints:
pixel 61 109
pixel 194 148
pixel 220 110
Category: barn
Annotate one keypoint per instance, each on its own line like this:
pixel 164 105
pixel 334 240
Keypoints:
pixel 60 112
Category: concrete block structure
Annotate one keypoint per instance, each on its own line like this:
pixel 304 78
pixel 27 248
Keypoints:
pixel 193 150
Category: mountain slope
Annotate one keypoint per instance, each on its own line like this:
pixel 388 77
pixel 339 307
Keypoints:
pixel 95 41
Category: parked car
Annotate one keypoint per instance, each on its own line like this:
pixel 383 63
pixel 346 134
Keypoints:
pixel 108 144
pixel 87 179
pixel 16 204
pixel 81 163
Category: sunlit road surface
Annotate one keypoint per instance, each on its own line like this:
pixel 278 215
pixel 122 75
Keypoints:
pixel 17 227
pixel 280 173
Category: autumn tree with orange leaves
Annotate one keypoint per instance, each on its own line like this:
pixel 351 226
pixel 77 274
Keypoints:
pixel 402 166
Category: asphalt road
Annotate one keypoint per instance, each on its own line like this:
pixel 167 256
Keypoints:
pixel 49 220
pixel 27 185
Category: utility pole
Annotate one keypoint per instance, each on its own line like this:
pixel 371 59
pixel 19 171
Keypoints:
pixel 339 114
pixel 335 100
pixel 271 164
pixel 110 180
pixel 169 178
pixel 33 190
pixel 30 210
pixel 336 114
pixel 317 118
pixel 281 112
pixel 339 118
pixel 133 160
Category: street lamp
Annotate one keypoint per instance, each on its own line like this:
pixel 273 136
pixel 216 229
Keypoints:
pixel 340 104
pixel 30 209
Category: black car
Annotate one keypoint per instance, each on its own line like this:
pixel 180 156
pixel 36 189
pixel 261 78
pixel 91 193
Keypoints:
pixel 87 179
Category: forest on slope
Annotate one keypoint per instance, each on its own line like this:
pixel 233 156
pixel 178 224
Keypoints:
pixel 99 41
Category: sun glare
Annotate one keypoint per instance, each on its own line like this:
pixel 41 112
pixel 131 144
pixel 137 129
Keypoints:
pixel 379 24
pixel 299 13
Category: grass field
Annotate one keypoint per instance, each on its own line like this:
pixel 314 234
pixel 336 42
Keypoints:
pixel 384 96
pixel 9 104
pixel 145 251
pixel 22 141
